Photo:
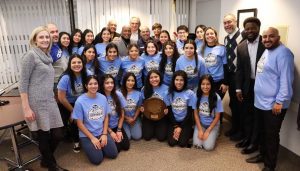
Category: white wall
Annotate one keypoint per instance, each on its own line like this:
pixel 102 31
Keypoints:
pixel 271 13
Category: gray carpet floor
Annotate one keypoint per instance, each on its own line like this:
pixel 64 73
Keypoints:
pixel 154 155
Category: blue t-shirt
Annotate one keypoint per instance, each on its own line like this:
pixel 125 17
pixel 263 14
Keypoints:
pixel 207 118
pixel 215 58
pixel 75 49
pixel 64 84
pixel 65 54
pixel 80 50
pixel 180 101
pixel 180 45
pixel 114 116
pixel 134 66
pixel 188 66
pixel 168 73
pixel 199 44
pixel 110 67
pixel 90 68
pixel 151 63
pixel 100 48
pixel 55 52
pixel 92 112
pixel 158 92
pixel 133 100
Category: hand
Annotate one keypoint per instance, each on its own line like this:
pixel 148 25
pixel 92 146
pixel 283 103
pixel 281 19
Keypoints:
pixel 119 136
pixel 239 96
pixel 103 140
pixel 224 88
pixel 276 110
pixel 205 135
pixel 114 136
pixel 166 111
pixel 176 133
pixel 29 115
pixel 200 135
pixel 96 143
pixel 142 109
pixel 130 121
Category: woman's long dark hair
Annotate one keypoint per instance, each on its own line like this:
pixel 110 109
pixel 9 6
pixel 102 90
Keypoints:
pixel 113 93
pixel 98 38
pixel 69 48
pixel 190 41
pixel 212 97
pixel 85 32
pixel 164 57
pixel 88 79
pixel 111 45
pixel 72 43
pixel 95 61
pixel 205 42
pixel 71 73
pixel 159 44
pixel 125 78
pixel 172 87
pixel 148 89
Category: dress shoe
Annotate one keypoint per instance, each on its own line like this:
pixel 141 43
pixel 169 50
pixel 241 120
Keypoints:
pixel 236 137
pixel 249 149
pixel 267 169
pixel 256 159
pixel 230 133
pixel 242 144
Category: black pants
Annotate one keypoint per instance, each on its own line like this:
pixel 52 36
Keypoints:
pixel 184 135
pixel 216 86
pixel 271 126
pixel 69 127
pixel 48 142
pixel 158 129
pixel 234 104
pixel 124 144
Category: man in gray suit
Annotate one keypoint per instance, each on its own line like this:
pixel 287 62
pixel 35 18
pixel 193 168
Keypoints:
pixel 123 41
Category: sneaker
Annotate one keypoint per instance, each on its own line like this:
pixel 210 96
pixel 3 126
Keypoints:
pixel 76 148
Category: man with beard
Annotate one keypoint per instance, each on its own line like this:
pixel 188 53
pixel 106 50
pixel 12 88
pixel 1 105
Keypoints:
pixel 248 54
pixel 123 41
pixel 273 92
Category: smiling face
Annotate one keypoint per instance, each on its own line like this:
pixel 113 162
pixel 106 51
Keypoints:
pixel 154 80
pixel 92 86
pixel 106 36
pixel 65 40
pixel 205 86
pixel 182 35
pixel 179 82
pixel 210 37
pixel 199 33
pixel 42 40
pixel 53 32
pixel 151 49
pixel 163 37
pixel 133 53
pixel 271 38
pixel 112 54
pixel 169 51
pixel 112 25
pixel 229 23
pixel 77 37
pixel 189 50
pixel 108 85
pixel 89 54
pixel 134 24
pixel 89 38
pixel 251 31
pixel 130 82
pixel 76 65
pixel 126 32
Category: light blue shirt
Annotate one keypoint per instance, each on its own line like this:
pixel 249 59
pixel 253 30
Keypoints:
pixel 114 116
pixel 215 58
pixel 206 118
pixel 100 48
pixel 64 84
pixel 151 63
pixel 199 44
pixel 274 78
pixel 168 73
pixel 160 92
pixel 80 50
pixel 92 112
pixel 133 100
pixel 188 66
pixel 180 102
pixel 110 67
pixel 134 66
pixel 75 49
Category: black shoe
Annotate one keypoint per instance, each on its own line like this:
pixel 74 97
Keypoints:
pixel 267 169
pixel 256 159
pixel 250 149
pixel 230 133
pixel 57 168
pixel 236 137
pixel 242 144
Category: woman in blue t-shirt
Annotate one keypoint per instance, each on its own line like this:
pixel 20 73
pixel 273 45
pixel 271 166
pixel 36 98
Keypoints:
pixel 199 32
pixel 91 62
pixel 76 40
pixel 70 87
pixel 181 104
pixel 64 44
pixel 87 39
pixel 101 41
pixel 151 57
pixel 117 103
pixel 154 88
pixel 209 107
pixel 91 112
pixel 167 64
pixel 132 124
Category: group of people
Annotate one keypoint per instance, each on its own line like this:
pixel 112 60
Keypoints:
pixel 101 84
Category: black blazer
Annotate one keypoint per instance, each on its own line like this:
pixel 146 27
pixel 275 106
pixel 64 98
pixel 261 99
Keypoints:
pixel 243 72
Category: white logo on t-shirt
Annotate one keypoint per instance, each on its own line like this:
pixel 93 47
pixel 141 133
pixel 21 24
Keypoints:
pixel 152 65
pixel 210 60
pixel 168 69
pixel 157 95
pixel 261 64
pixel 204 108
pixel 179 104
pixel 113 71
pixel 189 70
pixel 135 70
pixel 95 113
pixel 113 107
pixel 130 105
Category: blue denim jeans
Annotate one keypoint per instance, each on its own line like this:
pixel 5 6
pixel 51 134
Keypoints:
pixel 209 143
pixel 134 131
pixel 94 155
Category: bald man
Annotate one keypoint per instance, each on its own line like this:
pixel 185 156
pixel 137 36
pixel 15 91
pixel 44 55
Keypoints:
pixel 112 26
pixel 145 36
pixel 273 92
pixel 123 41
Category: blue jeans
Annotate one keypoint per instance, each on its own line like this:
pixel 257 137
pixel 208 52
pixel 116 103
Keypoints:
pixel 134 131
pixel 209 143
pixel 94 155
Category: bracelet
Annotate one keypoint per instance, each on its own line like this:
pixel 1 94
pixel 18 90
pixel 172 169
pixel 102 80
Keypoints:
pixel 119 129
pixel 103 134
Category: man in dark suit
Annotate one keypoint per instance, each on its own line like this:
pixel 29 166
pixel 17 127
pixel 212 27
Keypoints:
pixel 248 54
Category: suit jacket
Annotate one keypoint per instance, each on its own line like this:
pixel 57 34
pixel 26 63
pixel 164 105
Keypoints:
pixel 243 72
